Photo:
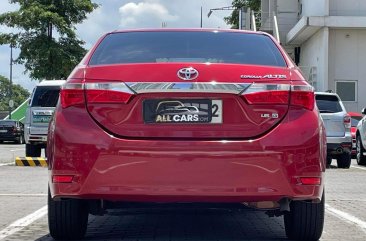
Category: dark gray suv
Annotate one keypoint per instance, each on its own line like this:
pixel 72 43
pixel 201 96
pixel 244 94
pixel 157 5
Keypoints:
pixel 338 128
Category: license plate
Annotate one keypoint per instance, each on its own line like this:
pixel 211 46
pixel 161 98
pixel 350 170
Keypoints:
pixel 3 131
pixel 182 111
pixel 41 118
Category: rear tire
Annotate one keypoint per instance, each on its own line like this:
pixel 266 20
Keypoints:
pixel 32 150
pixel 344 160
pixel 67 219
pixel 21 139
pixel 305 221
pixel 360 157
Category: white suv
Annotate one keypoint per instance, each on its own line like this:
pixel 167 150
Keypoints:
pixel 338 128
pixel 39 112
pixel 361 140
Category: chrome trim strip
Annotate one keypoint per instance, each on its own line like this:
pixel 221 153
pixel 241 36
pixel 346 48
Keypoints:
pixel 193 87
pixel 114 86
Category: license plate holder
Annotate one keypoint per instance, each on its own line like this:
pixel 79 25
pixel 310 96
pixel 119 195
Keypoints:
pixel 183 111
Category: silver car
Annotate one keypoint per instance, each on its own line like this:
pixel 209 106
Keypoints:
pixel 38 115
pixel 361 140
pixel 338 128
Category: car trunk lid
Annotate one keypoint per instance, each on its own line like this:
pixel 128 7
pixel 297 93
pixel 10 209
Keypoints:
pixel 232 94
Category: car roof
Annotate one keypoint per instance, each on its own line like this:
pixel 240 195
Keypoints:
pixel 326 93
pixel 8 120
pixel 51 83
pixel 189 30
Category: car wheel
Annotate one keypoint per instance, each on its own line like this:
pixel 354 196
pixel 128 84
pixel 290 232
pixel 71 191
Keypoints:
pixel 20 141
pixel 360 157
pixel 344 160
pixel 32 150
pixel 305 221
pixel 67 219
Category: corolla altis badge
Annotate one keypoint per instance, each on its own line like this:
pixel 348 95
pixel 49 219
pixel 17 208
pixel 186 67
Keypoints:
pixel 187 73
pixel 268 76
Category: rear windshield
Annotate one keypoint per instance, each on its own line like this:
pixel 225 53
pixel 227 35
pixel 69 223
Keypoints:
pixel 7 123
pixel 328 104
pixel 46 96
pixel 198 47
pixel 355 120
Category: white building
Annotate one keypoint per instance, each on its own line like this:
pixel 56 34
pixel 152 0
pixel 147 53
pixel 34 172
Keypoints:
pixel 330 41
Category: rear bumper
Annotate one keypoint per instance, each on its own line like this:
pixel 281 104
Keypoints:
pixel 9 137
pixel 35 134
pixel 37 139
pixel 116 169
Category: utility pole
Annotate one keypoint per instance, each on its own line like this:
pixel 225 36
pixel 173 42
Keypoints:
pixel 11 80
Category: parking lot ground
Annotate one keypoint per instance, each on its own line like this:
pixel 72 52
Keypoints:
pixel 8 152
pixel 345 214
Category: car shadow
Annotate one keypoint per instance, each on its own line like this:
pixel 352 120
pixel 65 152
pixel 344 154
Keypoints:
pixel 184 224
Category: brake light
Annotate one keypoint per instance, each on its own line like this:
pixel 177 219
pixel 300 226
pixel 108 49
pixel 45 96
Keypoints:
pixel 347 121
pixel 71 94
pixel 113 92
pixel 267 94
pixel 280 94
pixel 303 96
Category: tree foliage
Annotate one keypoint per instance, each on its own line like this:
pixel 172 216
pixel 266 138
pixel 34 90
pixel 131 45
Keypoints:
pixel 19 94
pixel 233 19
pixel 49 47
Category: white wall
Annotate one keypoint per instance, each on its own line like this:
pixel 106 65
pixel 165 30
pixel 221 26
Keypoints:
pixel 315 7
pixel 347 8
pixel 314 52
pixel 287 16
pixel 347 58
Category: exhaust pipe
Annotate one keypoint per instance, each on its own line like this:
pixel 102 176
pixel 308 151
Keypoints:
pixel 339 150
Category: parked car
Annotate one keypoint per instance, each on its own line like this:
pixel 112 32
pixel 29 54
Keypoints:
pixel 11 130
pixel 355 118
pixel 361 140
pixel 38 114
pixel 119 134
pixel 338 128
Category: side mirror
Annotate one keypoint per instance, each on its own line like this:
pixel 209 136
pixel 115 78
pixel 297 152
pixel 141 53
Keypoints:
pixel 363 111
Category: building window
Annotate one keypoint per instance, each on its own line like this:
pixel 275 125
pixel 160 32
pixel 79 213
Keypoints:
pixel 347 90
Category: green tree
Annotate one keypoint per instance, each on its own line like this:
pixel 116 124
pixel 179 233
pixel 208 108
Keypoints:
pixel 19 94
pixel 233 19
pixel 49 47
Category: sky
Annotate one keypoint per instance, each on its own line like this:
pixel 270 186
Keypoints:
pixel 124 14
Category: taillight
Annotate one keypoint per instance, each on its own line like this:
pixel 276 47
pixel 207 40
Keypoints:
pixel 267 94
pixel 280 94
pixel 71 94
pixel 303 96
pixel 347 121
pixel 111 92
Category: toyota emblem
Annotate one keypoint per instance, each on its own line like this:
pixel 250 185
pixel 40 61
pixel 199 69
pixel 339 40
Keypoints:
pixel 187 73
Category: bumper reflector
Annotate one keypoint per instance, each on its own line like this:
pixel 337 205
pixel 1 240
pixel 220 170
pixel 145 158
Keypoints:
pixel 310 180
pixel 62 178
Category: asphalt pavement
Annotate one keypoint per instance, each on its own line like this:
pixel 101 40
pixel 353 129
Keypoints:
pixel 23 213
pixel 9 150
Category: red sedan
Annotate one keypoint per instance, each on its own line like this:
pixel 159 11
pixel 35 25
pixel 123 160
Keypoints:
pixel 186 116
pixel 355 118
